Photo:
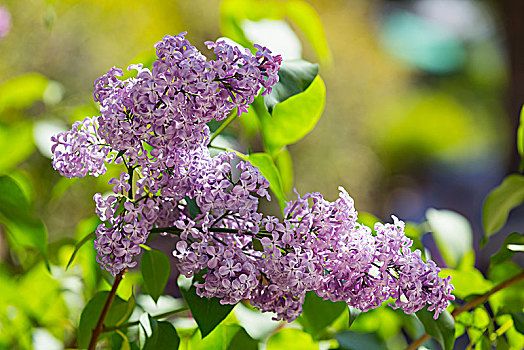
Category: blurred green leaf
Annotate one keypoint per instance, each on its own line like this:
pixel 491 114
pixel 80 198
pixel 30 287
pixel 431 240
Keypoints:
pixel 242 341
pixel 18 139
pixel 518 321
pixel 318 313
pixel 501 201
pixel 21 92
pixel 163 336
pixel 367 219
pixel 350 340
pixel 268 169
pixel 295 77
pixel 452 233
pixel 207 312
pixel 509 299
pixel 284 164
pixel 220 338
pixel 118 314
pixel 155 268
pixel 291 339
pixel 467 282
pixel 15 213
pixel 79 245
pixel 520 135
pixel 442 329
pixel 504 254
pixel 292 119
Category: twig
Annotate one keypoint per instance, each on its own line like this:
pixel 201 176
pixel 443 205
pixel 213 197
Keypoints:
pixel 471 305
pixel 100 323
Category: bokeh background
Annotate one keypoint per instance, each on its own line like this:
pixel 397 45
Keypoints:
pixel 423 99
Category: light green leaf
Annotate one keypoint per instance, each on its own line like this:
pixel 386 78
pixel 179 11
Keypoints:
pixel 520 135
pixel 467 282
pixel 285 167
pixel 79 245
pixel 22 91
pixel 452 233
pixel 501 201
pixel 295 76
pixel 219 339
pixel 291 339
pixel 442 329
pixel 118 313
pixel 155 268
pixel 318 313
pixel 292 119
pixel 268 169
pixel 16 214
pixel 207 312
pixel 350 340
pixel 504 254
pixel 18 139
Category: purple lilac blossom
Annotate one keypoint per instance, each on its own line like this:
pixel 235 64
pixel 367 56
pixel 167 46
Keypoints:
pixel 5 22
pixel 156 125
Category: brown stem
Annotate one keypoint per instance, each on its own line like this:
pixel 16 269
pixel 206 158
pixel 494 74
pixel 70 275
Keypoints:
pixel 100 323
pixel 471 305
pixel 135 323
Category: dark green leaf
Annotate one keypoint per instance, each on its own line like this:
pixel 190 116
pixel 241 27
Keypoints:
pixel 207 312
pixel 518 321
pixel 318 313
pixel 501 201
pixel 242 341
pixel 79 245
pixel 504 254
pixel 192 206
pixel 350 340
pixel 442 329
pixel 155 268
pixel 353 314
pixel 118 314
pixel 163 336
pixel 294 77
pixel 264 163
pixel 16 214
pixel 257 245
pixel 292 119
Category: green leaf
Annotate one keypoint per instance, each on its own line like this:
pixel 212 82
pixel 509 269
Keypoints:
pixel 79 245
pixel 353 314
pixel 292 119
pixel 18 139
pixel 504 254
pixel 350 340
pixel 452 233
pixel 284 164
pixel 467 282
pixel 207 312
pixel 500 201
pixel 220 338
pixel 268 169
pixel 119 312
pixel 318 313
pixel 295 76
pixel 509 299
pixel 242 341
pixel 520 135
pixel 291 339
pixel 163 336
pixel 21 92
pixel 442 329
pixel 518 321
pixel 192 206
pixel 257 245
pixel 16 214
pixel 155 268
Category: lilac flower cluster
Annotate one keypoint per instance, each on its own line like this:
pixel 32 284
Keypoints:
pixel 155 124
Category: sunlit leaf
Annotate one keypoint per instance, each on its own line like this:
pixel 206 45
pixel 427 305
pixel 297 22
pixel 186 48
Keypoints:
pixel 16 214
pixel 292 119
pixel 442 329
pixel 264 163
pixel 22 91
pixel 291 339
pixel 220 338
pixel 509 299
pixel 452 233
pixel 295 77
pixel 18 139
pixel 118 313
pixel 207 312
pixel 318 313
pixel 284 164
pixel 467 282
pixel 350 340
pixel 155 268
pixel 501 201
